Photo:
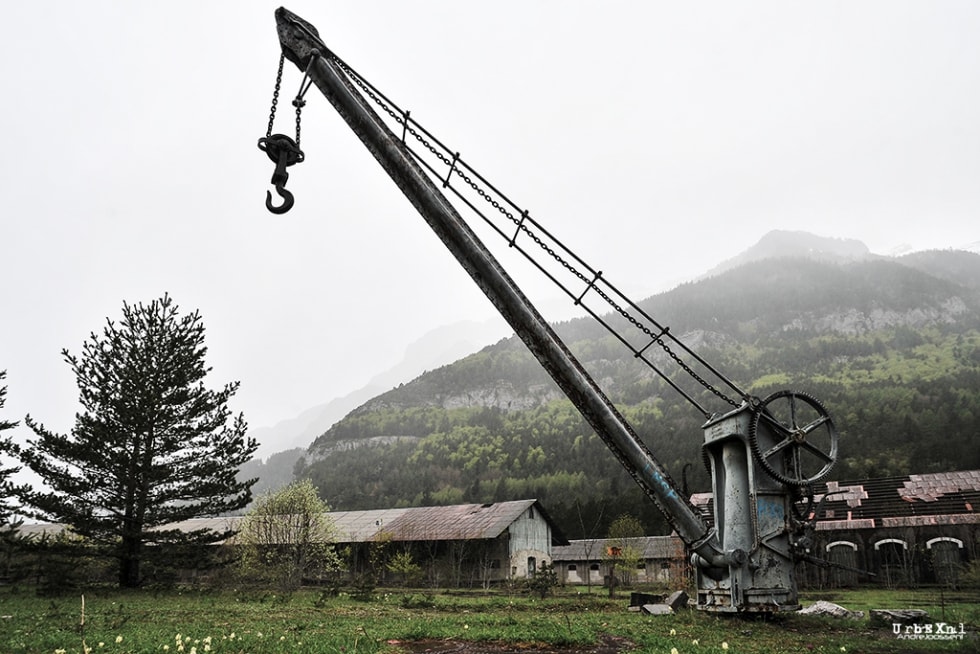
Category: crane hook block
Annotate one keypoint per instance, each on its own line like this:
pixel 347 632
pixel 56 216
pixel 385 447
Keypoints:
pixel 284 152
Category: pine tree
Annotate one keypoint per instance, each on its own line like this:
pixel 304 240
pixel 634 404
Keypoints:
pixel 152 445
pixel 7 447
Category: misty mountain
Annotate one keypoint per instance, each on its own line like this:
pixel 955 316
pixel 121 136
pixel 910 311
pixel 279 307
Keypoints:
pixel 283 444
pixel 957 266
pixel 437 347
pixel 890 345
pixel 782 244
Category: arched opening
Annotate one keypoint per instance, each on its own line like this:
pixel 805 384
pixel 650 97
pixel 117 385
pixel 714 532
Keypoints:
pixel 894 562
pixel 946 559
pixel 843 555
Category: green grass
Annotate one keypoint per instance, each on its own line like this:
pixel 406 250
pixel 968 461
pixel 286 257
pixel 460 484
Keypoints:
pixel 222 622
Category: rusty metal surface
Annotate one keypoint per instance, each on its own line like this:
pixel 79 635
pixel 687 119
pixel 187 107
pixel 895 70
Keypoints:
pixel 458 522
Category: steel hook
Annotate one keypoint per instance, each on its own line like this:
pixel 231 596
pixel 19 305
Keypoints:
pixel 284 151
pixel 287 200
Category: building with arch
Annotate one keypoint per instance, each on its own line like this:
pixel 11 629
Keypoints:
pixel 905 530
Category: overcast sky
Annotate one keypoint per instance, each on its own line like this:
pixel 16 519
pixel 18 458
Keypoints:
pixel 658 138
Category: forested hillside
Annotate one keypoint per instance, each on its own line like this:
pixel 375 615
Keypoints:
pixel 890 346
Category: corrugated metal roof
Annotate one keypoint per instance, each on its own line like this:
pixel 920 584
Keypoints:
pixel 457 522
pixel 40 529
pixel 426 523
pixel 650 547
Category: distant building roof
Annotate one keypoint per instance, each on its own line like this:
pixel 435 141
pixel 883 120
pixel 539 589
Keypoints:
pixel 40 529
pixel 941 498
pixel 426 523
pixel 649 547
pixel 457 522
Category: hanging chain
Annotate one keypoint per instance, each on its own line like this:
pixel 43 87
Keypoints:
pixel 275 96
pixel 298 101
pixel 304 86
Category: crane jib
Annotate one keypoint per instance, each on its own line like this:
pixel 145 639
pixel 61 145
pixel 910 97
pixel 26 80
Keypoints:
pixel 300 43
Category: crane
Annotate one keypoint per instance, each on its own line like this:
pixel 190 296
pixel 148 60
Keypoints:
pixel 763 454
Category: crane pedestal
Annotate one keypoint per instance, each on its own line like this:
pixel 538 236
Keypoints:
pixel 752 521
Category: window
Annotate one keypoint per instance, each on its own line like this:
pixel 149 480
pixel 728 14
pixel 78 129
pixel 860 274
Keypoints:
pixel 572 567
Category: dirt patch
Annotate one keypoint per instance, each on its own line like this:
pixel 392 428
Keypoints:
pixel 608 645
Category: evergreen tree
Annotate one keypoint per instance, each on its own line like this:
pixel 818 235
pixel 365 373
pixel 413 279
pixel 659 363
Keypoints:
pixel 152 445
pixel 7 447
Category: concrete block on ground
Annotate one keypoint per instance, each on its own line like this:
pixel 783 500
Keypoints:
pixel 639 599
pixel 888 617
pixel 829 608
pixel 657 609
pixel 677 600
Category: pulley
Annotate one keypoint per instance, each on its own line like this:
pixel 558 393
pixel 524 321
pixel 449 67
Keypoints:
pixel 283 150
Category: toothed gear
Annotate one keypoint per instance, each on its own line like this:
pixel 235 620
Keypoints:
pixel 796 420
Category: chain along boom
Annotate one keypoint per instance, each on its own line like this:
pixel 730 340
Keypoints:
pixel 566 270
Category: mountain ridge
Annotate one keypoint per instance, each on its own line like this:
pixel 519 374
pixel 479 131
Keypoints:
pixel 908 304
pixel 892 344
pixel 303 429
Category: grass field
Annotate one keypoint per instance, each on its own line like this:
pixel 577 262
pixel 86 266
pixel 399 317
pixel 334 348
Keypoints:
pixel 195 622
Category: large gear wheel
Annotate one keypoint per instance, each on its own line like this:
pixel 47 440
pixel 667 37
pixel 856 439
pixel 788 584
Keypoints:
pixel 803 449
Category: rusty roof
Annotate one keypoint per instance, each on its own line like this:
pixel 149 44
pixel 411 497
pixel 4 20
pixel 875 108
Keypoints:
pixel 426 523
pixel 649 547
pixel 940 498
pixel 457 522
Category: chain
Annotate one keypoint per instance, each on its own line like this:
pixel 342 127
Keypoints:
pixel 404 121
pixel 298 102
pixel 275 96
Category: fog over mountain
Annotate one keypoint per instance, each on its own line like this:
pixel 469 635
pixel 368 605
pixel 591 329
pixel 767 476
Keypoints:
pixel 440 346
pixel 938 304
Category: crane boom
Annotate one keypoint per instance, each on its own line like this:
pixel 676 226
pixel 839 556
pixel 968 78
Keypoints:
pixel 495 282
pixel 745 560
